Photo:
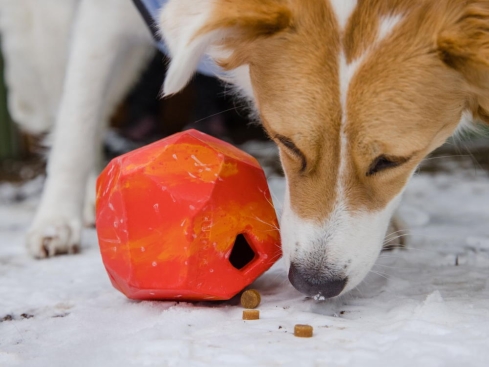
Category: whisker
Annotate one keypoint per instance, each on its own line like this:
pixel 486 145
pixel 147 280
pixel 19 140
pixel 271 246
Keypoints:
pixel 275 197
pixel 388 235
pixel 411 248
pixel 269 201
pixel 477 165
pixel 446 156
pixel 262 221
pixel 215 114
pixel 358 287
pixel 412 235
pixel 385 275
pixel 380 274
pixel 388 267
pixel 395 236
pixel 276 257
pixel 390 239
pixel 422 250
pixel 398 231
pixel 385 255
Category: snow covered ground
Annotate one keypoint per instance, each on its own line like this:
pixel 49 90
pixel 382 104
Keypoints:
pixel 427 305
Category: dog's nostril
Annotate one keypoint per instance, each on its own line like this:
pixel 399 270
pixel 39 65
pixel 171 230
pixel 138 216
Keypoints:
pixel 319 287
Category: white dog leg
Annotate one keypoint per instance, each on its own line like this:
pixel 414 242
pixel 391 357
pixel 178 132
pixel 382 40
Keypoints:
pixel 131 64
pixel 89 203
pixel 104 34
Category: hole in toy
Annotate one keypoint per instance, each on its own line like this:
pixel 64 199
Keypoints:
pixel 242 253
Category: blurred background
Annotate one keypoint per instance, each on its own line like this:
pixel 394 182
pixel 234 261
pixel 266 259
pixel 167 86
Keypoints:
pixel 141 118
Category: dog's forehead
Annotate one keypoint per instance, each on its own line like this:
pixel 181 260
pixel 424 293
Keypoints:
pixel 344 49
pixel 325 35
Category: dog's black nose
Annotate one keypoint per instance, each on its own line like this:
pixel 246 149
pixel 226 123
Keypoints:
pixel 314 286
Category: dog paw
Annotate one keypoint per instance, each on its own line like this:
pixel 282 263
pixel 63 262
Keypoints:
pixel 56 237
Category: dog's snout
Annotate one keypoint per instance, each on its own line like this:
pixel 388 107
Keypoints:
pixel 317 286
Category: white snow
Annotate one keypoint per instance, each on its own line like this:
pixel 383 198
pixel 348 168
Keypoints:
pixel 417 307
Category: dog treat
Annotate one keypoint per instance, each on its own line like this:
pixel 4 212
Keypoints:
pixel 303 331
pixel 250 298
pixel 251 315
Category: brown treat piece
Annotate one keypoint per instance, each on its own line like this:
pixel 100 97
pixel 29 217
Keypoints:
pixel 250 298
pixel 251 315
pixel 303 331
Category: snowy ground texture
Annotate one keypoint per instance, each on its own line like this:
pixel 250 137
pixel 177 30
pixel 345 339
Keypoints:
pixel 427 305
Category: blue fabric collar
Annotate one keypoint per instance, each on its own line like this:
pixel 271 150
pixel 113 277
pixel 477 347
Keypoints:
pixel 150 10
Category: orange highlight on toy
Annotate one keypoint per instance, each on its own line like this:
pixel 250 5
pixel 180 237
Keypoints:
pixel 189 217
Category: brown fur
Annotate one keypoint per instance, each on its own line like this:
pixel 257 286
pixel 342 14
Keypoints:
pixel 249 19
pixel 406 97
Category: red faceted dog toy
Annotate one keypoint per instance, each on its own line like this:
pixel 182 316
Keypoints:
pixel 189 217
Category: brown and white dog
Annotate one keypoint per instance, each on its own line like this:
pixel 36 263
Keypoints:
pixel 354 93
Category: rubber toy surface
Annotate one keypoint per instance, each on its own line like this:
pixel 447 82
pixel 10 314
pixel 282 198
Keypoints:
pixel 189 217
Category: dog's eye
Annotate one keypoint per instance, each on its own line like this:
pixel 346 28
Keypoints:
pixel 383 162
pixel 291 147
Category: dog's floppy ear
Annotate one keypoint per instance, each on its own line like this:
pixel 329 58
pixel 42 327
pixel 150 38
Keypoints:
pixel 464 46
pixel 191 27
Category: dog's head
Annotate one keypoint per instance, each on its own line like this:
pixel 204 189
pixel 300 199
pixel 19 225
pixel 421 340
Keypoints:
pixel 354 94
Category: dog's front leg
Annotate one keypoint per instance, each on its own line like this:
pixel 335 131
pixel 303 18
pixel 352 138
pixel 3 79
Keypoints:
pixel 102 35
